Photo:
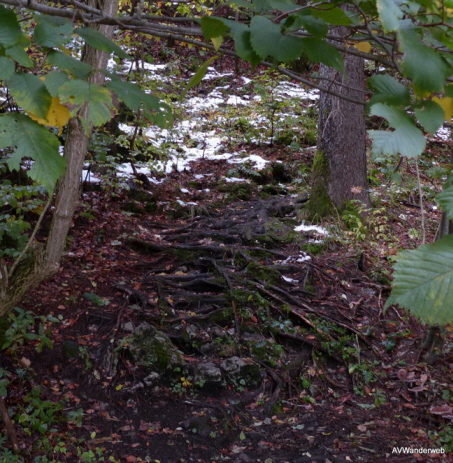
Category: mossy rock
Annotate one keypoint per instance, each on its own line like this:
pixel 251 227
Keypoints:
pixel 153 349
pixel 313 248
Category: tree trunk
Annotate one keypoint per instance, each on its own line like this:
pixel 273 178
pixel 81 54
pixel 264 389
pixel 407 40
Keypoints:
pixel 75 151
pixel 339 169
pixel 40 263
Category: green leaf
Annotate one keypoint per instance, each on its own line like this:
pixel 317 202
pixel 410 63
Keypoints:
pixel 390 14
pixel 17 53
pixel 30 93
pixel 213 27
pixel 388 90
pixel 6 68
pixel 10 31
pixel 32 140
pixel 445 199
pixel 282 5
pixel 99 41
pixel 72 65
pixel 431 117
pixel 244 49
pixel 423 282
pixel 406 139
pixel 54 80
pixel 449 91
pixel 95 299
pixel 97 98
pixel 52 32
pixel 319 51
pixel 423 65
pixel 196 78
pixel 314 26
pixel 135 98
pixel 334 16
pixel 267 40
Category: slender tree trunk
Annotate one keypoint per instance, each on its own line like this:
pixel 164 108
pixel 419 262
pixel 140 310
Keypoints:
pixel 75 150
pixel 40 264
pixel 339 170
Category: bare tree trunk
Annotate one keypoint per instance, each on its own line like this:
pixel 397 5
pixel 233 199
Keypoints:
pixel 339 169
pixel 75 150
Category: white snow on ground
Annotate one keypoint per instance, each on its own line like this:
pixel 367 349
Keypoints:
pixel 301 257
pixel 312 228
pixel 444 133
pixel 290 280
pixel 206 145
pixel 234 180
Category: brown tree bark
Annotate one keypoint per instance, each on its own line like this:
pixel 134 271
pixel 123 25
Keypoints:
pixel 339 171
pixel 75 150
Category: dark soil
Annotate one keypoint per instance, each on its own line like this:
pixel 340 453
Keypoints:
pixel 338 378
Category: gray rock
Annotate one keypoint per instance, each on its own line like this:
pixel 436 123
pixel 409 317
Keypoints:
pixel 233 365
pixel 152 348
pixel 152 379
pixel 209 373
pixel 129 327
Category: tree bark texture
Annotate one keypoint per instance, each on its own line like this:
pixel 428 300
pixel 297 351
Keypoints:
pixel 75 151
pixel 341 138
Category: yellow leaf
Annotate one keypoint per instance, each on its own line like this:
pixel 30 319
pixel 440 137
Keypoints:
pixel 217 41
pixel 57 115
pixel 447 105
pixel 363 46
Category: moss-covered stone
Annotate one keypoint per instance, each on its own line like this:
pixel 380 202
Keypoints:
pixel 262 273
pixel 319 204
pixel 153 349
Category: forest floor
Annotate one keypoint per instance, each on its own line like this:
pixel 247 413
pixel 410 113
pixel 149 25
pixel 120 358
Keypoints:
pixel 202 320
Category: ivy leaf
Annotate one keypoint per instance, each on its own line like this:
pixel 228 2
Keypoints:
pixel 196 78
pixel 98 100
pixel 10 31
pixel 388 90
pixel 6 68
pixel 72 65
pixel 51 31
pixel 390 14
pixel 99 41
pixel 445 199
pixel 406 139
pixel 32 140
pixel 267 40
pixel 54 80
pixel 423 282
pixel 135 98
pixel 431 117
pixel 30 92
pixel 424 66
